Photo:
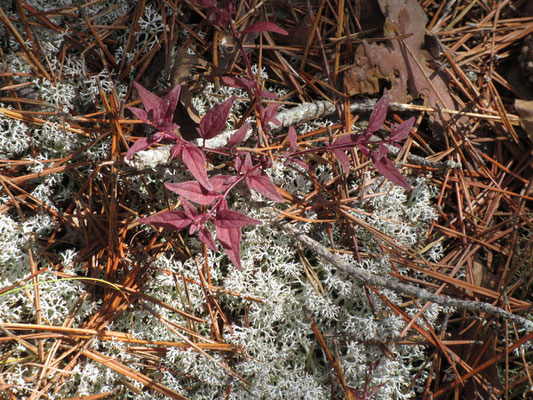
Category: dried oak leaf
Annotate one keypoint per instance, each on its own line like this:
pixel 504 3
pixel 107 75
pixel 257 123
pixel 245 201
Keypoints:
pixel 401 61
pixel 363 77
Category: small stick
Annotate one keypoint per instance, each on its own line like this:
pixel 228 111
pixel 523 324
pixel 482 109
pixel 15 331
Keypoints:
pixel 381 281
pixel 307 111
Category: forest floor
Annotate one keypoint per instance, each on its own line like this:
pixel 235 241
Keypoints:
pixel 395 253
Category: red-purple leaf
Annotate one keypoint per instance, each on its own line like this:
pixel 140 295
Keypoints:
pixel 386 168
pixel 230 239
pixel 149 100
pixel 193 191
pixel 214 121
pixel 189 209
pixel 139 145
pixel 266 94
pixel 382 152
pixel 268 113
pixel 344 160
pixel 157 112
pixel 345 142
pixel 170 103
pixel 205 236
pixel 220 17
pixel 301 163
pixel 176 150
pixel 194 159
pixel 233 219
pixel 247 165
pixel 240 83
pixel 243 167
pixel 402 131
pixel 139 113
pixel 144 143
pixel 264 186
pixel 292 139
pixel 204 3
pixel 239 136
pixel 377 118
pixel 264 27
pixel 222 182
pixel 172 220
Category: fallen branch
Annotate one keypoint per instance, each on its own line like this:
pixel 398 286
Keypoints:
pixel 305 112
pixel 381 281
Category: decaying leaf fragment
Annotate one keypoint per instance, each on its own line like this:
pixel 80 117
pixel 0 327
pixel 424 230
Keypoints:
pixel 363 77
pixel 401 61
pixel 525 112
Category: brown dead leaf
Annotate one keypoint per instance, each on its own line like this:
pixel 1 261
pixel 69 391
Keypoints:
pixel 185 114
pixel 525 112
pixel 401 61
pixel 363 78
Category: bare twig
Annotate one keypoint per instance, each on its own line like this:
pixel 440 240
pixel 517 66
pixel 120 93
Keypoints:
pixel 410 290
pixel 305 112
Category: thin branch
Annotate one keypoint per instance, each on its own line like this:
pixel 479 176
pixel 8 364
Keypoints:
pixel 152 158
pixel 380 281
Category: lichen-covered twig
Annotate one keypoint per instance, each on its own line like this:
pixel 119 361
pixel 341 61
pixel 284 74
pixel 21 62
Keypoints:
pixel 304 112
pixel 380 281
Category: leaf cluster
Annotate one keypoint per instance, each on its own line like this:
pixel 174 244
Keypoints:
pixel 211 192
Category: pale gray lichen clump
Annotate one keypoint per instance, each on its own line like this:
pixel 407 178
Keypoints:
pixel 282 360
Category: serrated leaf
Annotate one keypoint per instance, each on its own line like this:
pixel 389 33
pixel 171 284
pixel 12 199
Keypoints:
pixel 230 239
pixel 195 160
pixel 172 220
pixel 263 185
pixel 387 168
pixel 193 191
pixel 214 121
pixel 377 118
pixel 234 219
pixel 239 136
pixel 402 131
pixel 265 26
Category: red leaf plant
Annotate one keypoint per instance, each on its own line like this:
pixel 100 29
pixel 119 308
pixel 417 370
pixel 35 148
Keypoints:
pixel 228 223
pixel 204 190
pixel 159 112
pixel 379 157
